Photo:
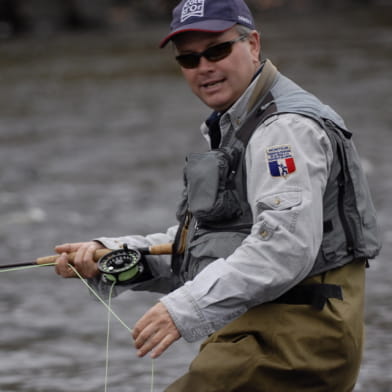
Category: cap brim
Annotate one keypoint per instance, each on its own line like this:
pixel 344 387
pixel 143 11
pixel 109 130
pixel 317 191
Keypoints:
pixel 207 26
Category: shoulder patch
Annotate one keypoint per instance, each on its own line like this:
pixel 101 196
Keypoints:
pixel 280 160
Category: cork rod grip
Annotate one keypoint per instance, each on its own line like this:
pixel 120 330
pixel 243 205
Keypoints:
pixel 52 259
pixel 164 249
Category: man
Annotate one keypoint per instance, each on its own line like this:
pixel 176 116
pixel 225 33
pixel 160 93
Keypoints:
pixel 275 228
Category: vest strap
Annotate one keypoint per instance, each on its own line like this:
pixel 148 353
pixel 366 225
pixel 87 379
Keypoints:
pixel 316 295
pixel 263 84
pixel 259 114
pixel 261 104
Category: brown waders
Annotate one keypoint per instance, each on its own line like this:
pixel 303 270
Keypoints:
pixel 279 347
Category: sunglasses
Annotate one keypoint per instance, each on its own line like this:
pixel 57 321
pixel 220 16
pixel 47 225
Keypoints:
pixel 213 53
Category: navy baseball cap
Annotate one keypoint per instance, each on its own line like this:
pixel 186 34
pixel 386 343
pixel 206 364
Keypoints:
pixel 212 16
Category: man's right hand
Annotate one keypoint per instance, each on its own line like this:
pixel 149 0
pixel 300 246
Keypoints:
pixel 83 261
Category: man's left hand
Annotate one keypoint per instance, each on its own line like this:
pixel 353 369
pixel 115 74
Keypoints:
pixel 155 332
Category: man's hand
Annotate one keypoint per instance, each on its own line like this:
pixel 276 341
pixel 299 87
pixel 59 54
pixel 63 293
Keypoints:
pixel 155 332
pixel 83 262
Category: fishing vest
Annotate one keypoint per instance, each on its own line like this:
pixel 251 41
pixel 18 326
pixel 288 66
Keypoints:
pixel 215 215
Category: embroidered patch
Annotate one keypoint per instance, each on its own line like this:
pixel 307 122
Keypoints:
pixel 280 160
pixel 192 8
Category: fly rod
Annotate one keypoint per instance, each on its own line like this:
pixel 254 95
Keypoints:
pixel 98 255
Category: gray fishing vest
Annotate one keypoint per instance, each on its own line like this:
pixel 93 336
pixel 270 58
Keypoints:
pixel 215 215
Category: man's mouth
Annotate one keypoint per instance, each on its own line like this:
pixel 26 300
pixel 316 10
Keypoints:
pixel 212 83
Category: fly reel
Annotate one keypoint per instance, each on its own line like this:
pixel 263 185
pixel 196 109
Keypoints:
pixel 121 266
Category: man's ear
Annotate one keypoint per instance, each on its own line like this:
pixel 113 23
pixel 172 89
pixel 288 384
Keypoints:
pixel 255 45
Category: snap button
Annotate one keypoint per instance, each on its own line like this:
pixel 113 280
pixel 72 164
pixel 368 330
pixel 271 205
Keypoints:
pixel 277 201
pixel 264 233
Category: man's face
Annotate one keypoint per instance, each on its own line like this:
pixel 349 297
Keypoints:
pixel 219 84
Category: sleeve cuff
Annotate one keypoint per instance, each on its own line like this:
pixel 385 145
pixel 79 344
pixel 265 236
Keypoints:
pixel 187 316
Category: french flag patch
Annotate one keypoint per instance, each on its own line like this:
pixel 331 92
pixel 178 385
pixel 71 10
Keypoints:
pixel 280 160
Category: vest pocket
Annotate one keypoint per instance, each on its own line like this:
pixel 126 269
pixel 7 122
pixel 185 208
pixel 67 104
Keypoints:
pixel 211 246
pixel 334 243
pixel 209 185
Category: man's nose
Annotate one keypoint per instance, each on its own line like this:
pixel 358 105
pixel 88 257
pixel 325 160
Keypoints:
pixel 205 65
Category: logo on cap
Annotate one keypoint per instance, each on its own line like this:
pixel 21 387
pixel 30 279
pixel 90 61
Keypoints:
pixel 192 8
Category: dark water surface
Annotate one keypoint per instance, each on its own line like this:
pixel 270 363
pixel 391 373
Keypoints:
pixel 93 132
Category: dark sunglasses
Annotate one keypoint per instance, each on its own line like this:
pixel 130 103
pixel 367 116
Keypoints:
pixel 213 53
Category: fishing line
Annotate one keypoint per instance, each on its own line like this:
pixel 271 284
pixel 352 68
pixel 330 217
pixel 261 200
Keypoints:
pixel 83 281
pixel 108 344
pixel 111 312
pixel 107 306
pixel 108 336
pixel 100 299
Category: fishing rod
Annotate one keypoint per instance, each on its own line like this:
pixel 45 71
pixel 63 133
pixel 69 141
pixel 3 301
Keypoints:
pixel 113 263
pixel 119 266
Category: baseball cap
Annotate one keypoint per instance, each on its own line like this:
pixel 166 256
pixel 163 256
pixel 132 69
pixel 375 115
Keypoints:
pixel 212 16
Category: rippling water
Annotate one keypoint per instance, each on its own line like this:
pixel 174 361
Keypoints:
pixel 93 131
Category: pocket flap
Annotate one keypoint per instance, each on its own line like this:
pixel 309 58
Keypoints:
pixel 280 201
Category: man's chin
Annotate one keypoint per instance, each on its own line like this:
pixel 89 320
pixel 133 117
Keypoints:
pixel 218 104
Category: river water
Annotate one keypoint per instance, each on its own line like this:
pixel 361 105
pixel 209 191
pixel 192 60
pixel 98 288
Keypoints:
pixel 93 132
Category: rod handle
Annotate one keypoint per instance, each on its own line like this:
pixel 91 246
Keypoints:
pixel 163 249
pixel 52 259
